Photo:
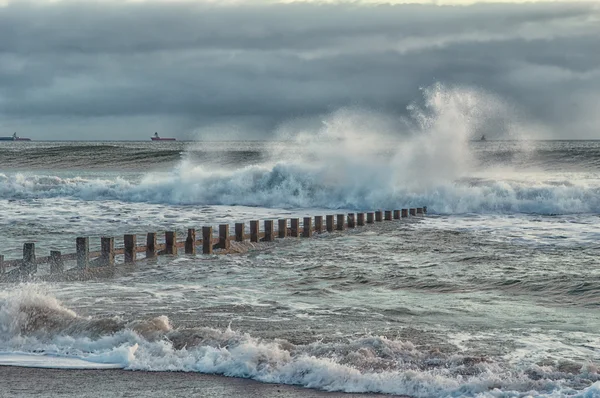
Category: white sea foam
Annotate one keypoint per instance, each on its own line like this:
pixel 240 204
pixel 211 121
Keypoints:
pixel 361 364
pixel 357 160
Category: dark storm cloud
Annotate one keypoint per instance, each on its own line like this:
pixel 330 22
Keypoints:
pixel 196 64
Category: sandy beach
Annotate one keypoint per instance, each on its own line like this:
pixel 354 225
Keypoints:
pixel 33 382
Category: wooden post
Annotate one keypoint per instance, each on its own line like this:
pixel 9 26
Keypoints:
pixel 171 242
pixel 224 242
pixel 2 266
pixel 307 227
pixel 318 224
pixel 207 246
pixel 388 215
pixel 254 232
pixel 396 214
pixel 370 218
pixel 190 242
pixel 269 231
pixel 56 262
pixel 360 219
pixel 378 216
pixel 151 245
pixel 419 211
pixel 83 252
pixel 107 252
pixel 404 213
pixel 130 242
pixel 413 212
pixel 340 222
pixel 329 219
pixel 239 231
pixel 282 228
pixel 351 220
pixel 295 227
pixel 29 265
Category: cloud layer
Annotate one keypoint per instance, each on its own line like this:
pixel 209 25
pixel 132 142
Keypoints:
pixel 124 70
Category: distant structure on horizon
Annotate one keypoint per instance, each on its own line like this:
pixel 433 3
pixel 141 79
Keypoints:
pixel 157 138
pixel 14 137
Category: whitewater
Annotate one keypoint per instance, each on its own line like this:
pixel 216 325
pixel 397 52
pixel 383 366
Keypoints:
pixel 494 294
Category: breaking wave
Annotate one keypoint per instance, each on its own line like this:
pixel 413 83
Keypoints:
pixel 34 323
pixel 365 160
pixel 288 186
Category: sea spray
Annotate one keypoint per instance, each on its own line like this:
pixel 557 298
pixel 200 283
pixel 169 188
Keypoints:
pixel 359 159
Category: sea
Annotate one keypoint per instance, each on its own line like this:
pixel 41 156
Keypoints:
pixel 494 293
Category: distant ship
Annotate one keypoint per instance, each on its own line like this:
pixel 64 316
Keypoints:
pixel 157 138
pixel 483 138
pixel 14 137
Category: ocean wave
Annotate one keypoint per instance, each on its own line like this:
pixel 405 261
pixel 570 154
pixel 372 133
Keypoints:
pixel 287 186
pixel 34 323
pixel 353 161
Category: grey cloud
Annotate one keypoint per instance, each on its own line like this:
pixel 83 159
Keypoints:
pixel 198 65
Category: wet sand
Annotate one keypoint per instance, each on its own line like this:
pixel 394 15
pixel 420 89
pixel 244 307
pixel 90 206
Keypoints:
pixel 33 382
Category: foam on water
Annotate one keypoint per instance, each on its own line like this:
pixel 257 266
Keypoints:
pixel 357 160
pixel 355 364
pixel 287 186
pixel 48 361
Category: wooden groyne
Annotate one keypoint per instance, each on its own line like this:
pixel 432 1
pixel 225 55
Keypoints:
pixel 103 261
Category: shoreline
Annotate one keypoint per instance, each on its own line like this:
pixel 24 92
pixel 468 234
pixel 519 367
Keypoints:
pixel 38 382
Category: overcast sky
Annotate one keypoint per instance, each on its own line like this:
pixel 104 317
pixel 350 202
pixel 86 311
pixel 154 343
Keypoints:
pixel 122 70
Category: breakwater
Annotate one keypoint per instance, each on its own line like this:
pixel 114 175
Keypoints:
pixel 102 262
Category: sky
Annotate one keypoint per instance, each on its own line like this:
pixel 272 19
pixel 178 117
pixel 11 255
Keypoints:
pixel 241 69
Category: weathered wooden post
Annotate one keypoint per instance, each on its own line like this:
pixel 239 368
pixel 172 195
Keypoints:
pixel 318 224
pixel 83 252
pixel 351 220
pixel 151 245
pixel 2 266
pixel 360 219
pixel 396 214
pixel 419 211
pixel 282 228
pixel 239 231
pixel 307 227
pixel 413 212
pixel 370 218
pixel 388 215
pixel 224 241
pixel 56 262
pixel 340 222
pixel 378 216
pixel 28 266
pixel 190 242
pixel 404 213
pixel 107 252
pixel 130 242
pixel 295 227
pixel 329 220
pixel 171 242
pixel 269 230
pixel 207 245
pixel 254 232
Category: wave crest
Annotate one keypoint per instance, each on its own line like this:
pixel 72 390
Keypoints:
pixel 353 364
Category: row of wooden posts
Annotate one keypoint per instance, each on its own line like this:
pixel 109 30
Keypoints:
pixel 106 256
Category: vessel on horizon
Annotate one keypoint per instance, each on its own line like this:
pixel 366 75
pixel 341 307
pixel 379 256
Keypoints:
pixel 14 137
pixel 157 138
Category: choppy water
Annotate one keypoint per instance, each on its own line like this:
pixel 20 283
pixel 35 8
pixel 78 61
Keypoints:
pixel 495 293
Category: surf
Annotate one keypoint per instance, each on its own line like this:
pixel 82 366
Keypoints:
pixel 368 363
